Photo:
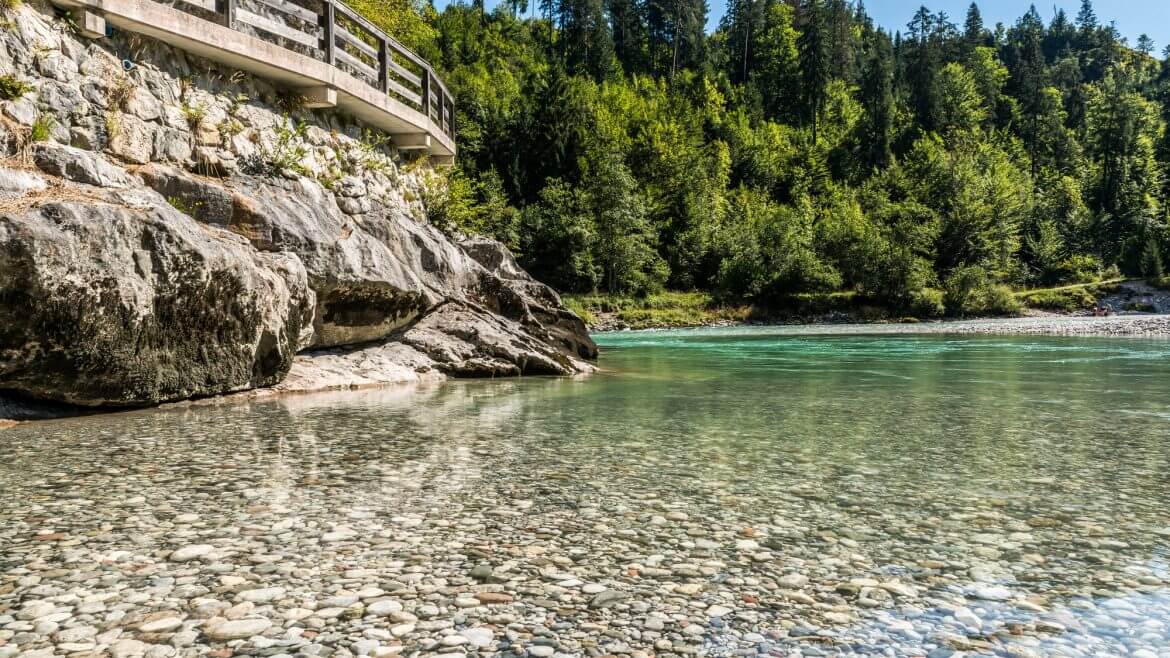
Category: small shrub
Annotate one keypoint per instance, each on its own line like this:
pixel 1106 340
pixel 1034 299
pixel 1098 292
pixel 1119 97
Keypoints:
pixel 230 128
pixel 928 303
pixel 1068 301
pixel 121 92
pixel 194 114
pixel 291 102
pixel 970 291
pixel 1081 268
pixel 113 126
pixel 181 204
pixel 1151 260
pixel 582 312
pixel 286 155
pixel 42 128
pixel 10 5
pixel 11 88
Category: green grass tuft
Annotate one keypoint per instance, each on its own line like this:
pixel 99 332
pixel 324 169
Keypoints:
pixel 42 128
pixel 11 88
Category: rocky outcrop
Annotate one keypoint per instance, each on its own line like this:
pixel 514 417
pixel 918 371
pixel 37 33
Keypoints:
pixel 105 304
pixel 147 257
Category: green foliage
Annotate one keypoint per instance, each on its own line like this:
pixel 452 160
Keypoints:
pixel 972 291
pixel 1151 260
pixel 194 114
pixel 286 155
pixel 42 128
pixel 121 91
pixel 184 205
pixel 665 309
pixel 1061 299
pixel 798 150
pixel 1078 268
pixel 12 88
pixel 408 21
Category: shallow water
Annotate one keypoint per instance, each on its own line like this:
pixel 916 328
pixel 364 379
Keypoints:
pixel 846 494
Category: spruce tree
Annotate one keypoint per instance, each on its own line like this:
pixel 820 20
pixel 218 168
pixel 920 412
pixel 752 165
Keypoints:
pixel 814 61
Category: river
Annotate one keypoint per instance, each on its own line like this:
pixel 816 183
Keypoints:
pixel 713 492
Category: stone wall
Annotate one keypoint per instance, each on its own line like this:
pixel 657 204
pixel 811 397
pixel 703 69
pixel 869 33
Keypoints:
pixel 142 101
pixel 170 230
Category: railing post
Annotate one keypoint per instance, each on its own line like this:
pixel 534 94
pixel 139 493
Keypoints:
pixel 383 65
pixel 426 91
pixel 328 41
pixel 227 10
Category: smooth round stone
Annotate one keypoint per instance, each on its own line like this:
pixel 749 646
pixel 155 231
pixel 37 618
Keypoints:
pixel 383 608
pixel 161 625
pixel 127 648
pixel 192 552
pixel 594 588
pixel 541 651
pixel 75 634
pixel 261 595
pixel 35 610
pixel 239 629
pixel 401 630
pixel 364 647
pixel 478 637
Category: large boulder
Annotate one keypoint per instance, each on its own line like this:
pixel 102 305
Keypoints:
pixel 107 304
pixel 373 274
pixel 466 341
pixel 510 291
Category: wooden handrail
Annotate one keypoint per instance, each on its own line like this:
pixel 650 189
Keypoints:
pixel 333 34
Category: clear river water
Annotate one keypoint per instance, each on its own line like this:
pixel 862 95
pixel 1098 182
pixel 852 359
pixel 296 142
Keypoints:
pixel 714 492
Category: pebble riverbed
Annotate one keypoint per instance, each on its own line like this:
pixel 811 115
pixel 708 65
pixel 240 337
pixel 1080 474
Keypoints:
pixel 467 520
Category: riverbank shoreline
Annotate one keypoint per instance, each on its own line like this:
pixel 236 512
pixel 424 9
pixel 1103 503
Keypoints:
pixel 311 381
pixel 1150 326
pixel 685 310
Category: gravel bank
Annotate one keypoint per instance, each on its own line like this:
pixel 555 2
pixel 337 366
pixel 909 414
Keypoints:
pixel 1150 326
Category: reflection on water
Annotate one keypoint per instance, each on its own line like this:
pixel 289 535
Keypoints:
pixel 897 495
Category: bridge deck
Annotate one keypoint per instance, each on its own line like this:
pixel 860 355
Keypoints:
pixel 338 58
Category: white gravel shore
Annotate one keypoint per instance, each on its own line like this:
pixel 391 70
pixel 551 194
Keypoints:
pixel 1147 326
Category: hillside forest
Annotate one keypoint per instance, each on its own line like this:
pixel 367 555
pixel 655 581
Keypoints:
pixel 801 149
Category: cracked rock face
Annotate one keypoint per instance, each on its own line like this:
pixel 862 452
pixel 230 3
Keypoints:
pixel 147 257
pixel 106 305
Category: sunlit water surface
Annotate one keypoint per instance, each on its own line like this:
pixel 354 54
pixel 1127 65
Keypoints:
pixel 1026 479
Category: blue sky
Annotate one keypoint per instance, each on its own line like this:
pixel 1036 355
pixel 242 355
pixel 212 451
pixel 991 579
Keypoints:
pixel 1133 17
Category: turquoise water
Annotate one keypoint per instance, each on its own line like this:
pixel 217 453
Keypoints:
pixel 1023 480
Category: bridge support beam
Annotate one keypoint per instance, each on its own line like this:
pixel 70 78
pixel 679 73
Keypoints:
pixel 442 160
pixel 91 24
pixel 317 98
pixel 412 142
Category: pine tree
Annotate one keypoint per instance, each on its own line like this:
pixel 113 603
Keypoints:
pixel 629 34
pixel 586 44
pixel 877 97
pixel 1145 45
pixel 974 33
pixel 742 24
pixel 1151 260
pixel 1087 18
pixel 814 61
pixel 675 29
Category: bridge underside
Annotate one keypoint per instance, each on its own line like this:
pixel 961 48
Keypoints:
pixel 323 84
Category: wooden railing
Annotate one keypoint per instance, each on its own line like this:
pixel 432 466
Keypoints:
pixel 329 30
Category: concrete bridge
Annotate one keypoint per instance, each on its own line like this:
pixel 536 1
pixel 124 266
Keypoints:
pixel 322 49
